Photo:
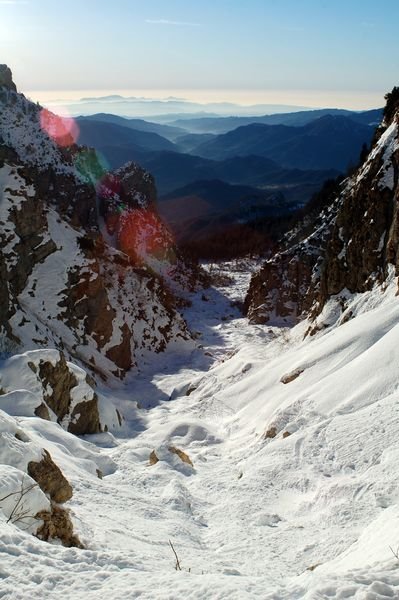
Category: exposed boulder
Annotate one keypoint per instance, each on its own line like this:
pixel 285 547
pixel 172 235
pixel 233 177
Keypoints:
pixel 60 392
pixel 57 381
pixel 32 486
pixel 153 458
pixel 172 456
pixel 57 525
pixel 50 478
pixel 184 457
pixel 270 433
pixel 288 377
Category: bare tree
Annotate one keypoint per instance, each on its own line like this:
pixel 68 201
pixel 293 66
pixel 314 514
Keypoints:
pixel 177 565
pixel 20 512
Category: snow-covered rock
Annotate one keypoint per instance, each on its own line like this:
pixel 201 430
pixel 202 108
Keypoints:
pixel 42 383
pixel 65 284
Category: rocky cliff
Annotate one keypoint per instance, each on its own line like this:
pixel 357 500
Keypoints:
pixel 86 265
pixel 348 246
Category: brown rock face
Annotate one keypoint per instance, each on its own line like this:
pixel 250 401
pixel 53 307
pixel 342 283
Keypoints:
pixel 50 478
pixel 29 228
pixel 137 185
pixel 280 289
pixel 86 299
pixel 61 380
pixel 121 355
pixel 6 78
pixel 58 382
pixel 42 412
pixel 364 239
pixel 85 418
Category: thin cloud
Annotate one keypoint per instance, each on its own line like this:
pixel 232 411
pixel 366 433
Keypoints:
pixel 13 2
pixel 175 23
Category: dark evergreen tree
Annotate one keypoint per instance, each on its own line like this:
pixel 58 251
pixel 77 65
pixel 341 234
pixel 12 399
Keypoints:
pixel 392 104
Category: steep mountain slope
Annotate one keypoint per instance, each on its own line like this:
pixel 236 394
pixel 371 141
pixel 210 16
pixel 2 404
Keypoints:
pixel 293 450
pixel 329 142
pixel 65 286
pixel 350 245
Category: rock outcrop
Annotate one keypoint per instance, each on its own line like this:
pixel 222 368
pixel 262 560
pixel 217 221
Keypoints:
pixel 57 525
pixel 50 478
pixel 6 78
pixel 33 487
pixel 350 244
pixel 43 383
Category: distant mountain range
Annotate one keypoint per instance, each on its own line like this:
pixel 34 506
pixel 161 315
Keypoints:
pixel 330 141
pixel 205 179
pixel 217 125
pixel 131 106
pixel 168 131
pixel 101 134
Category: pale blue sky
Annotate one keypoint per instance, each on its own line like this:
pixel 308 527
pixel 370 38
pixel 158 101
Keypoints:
pixel 254 47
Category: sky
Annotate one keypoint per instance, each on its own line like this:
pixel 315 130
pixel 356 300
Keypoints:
pixel 306 52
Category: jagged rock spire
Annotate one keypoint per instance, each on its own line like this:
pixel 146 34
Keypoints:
pixel 6 78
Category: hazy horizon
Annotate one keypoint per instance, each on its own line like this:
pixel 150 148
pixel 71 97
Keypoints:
pixel 313 53
pixel 67 100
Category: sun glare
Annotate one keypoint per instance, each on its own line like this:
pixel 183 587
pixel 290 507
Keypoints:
pixel 62 129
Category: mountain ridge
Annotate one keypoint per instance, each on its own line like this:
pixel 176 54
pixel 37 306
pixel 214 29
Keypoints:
pixel 349 245
pixel 327 142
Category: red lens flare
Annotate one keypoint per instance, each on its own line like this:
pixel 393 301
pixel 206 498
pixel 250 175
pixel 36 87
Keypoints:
pixel 142 235
pixel 63 130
